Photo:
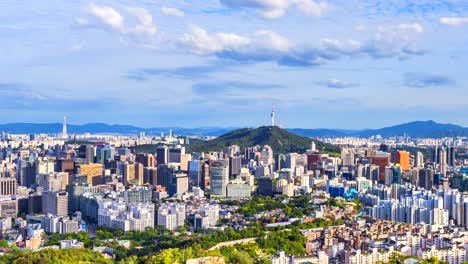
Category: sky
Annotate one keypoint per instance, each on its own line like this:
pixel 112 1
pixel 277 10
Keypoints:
pixel 321 64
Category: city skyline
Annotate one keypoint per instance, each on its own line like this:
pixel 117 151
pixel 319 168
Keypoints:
pixel 175 63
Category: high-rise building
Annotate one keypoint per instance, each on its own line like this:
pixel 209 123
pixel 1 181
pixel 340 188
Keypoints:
pixel 64 128
pixel 178 183
pixel 66 165
pixel 435 154
pixel 347 157
pixel 162 154
pixel 426 178
pixel 291 160
pixel 92 171
pixel 451 151
pixel 150 175
pixel 128 173
pixel 403 158
pixel 419 161
pixel 195 174
pixel 443 160
pixel 146 159
pixel 86 152
pixel 235 166
pixel 175 154
pixel 55 203
pixel 219 178
pixel 8 186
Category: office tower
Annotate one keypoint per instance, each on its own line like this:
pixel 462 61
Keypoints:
pixel 451 151
pixel 139 173
pixel 175 154
pixel 385 148
pixel 206 176
pixel 280 161
pixel 64 128
pixel 382 160
pixel 426 178
pixel 92 171
pixel 235 166
pixel 443 160
pixel 29 176
pixel 163 175
pixel 146 159
pixel 195 175
pixel 128 173
pixel 66 165
pixel 86 152
pixel 291 160
pixel 219 178
pixel 55 203
pixel 403 158
pixel 184 161
pixel 347 157
pixel 435 154
pixel 162 154
pixel 8 186
pixel 53 182
pixel 8 208
pixel 419 161
pixel 150 175
pixel 265 186
pixel 178 183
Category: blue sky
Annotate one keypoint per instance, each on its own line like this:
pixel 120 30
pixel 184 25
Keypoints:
pixel 332 64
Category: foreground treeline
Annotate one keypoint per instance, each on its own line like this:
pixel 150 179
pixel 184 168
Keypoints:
pixel 66 256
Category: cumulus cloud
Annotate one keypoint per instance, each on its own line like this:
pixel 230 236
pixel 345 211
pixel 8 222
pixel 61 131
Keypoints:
pixel 336 84
pixel 388 42
pixel 201 42
pixel 453 21
pixel 419 80
pixel 277 8
pixel 112 19
pixel 171 11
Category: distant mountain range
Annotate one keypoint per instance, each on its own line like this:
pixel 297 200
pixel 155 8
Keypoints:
pixel 100 128
pixel 412 129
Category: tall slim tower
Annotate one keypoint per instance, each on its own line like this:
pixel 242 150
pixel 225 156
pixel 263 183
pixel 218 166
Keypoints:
pixel 273 116
pixel 64 128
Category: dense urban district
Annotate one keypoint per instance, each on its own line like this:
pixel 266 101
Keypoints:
pixel 260 195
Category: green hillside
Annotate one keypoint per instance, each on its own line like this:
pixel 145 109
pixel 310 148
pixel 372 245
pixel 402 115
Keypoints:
pixel 279 139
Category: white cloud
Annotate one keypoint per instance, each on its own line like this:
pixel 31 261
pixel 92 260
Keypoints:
pixel 201 42
pixel 415 27
pixel 107 16
pixel 111 18
pixel 454 21
pixel 388 42
pixel 277 8
pixel 273 40
pixel 145 19
pixel 171 11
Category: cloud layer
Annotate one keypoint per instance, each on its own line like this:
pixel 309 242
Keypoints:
pixel 272 9
pixel 419 80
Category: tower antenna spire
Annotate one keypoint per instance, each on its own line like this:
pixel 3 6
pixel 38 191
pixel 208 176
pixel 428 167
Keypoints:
pixel 273 116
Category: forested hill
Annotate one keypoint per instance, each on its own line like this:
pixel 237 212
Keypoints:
pixel 281 141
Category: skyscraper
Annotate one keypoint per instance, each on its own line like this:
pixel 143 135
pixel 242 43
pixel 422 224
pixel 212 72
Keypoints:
pixel 419 161
pixel 64 128
pixel 402 157
pixel 219 178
